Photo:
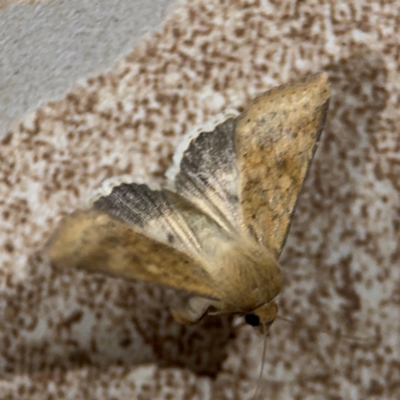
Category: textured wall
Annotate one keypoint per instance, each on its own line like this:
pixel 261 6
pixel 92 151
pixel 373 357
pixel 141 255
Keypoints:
pixel 81 336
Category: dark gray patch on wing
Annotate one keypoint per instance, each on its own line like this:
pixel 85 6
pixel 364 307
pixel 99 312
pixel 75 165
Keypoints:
pixel 163 215
pixel 134 203
pixel 208 174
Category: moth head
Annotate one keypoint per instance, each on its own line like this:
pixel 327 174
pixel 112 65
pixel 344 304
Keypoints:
pixel 263 317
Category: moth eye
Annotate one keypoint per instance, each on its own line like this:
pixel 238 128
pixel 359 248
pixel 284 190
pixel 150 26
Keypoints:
pixel 252 319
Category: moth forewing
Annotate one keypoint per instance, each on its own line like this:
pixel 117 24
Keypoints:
pixel 96 241
pixel 276 137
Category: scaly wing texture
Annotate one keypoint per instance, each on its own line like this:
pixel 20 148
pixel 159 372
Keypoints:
pixel 276 139
pixel 208 175
pixel 96 241
pixel 166 217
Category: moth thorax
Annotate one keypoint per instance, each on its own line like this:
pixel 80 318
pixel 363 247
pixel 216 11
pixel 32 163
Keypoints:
pixel 252 276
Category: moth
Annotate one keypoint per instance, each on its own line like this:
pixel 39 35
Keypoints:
pixel 217 228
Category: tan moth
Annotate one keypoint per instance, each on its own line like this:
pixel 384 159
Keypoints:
pixel 218 227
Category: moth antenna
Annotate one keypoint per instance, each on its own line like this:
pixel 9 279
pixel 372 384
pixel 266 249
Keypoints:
pixel 340 335
pixel 266 334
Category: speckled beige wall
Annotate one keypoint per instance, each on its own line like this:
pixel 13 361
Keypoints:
pixel 77 335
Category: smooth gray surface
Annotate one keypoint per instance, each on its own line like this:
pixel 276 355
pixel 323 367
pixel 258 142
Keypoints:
pixel 44 49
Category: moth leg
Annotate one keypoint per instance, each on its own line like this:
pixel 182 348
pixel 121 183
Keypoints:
pixel 195 309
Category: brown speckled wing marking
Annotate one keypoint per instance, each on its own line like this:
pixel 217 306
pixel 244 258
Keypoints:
pixel 96 241
pixel 164 216
pixel 208 174
pixel 276 138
